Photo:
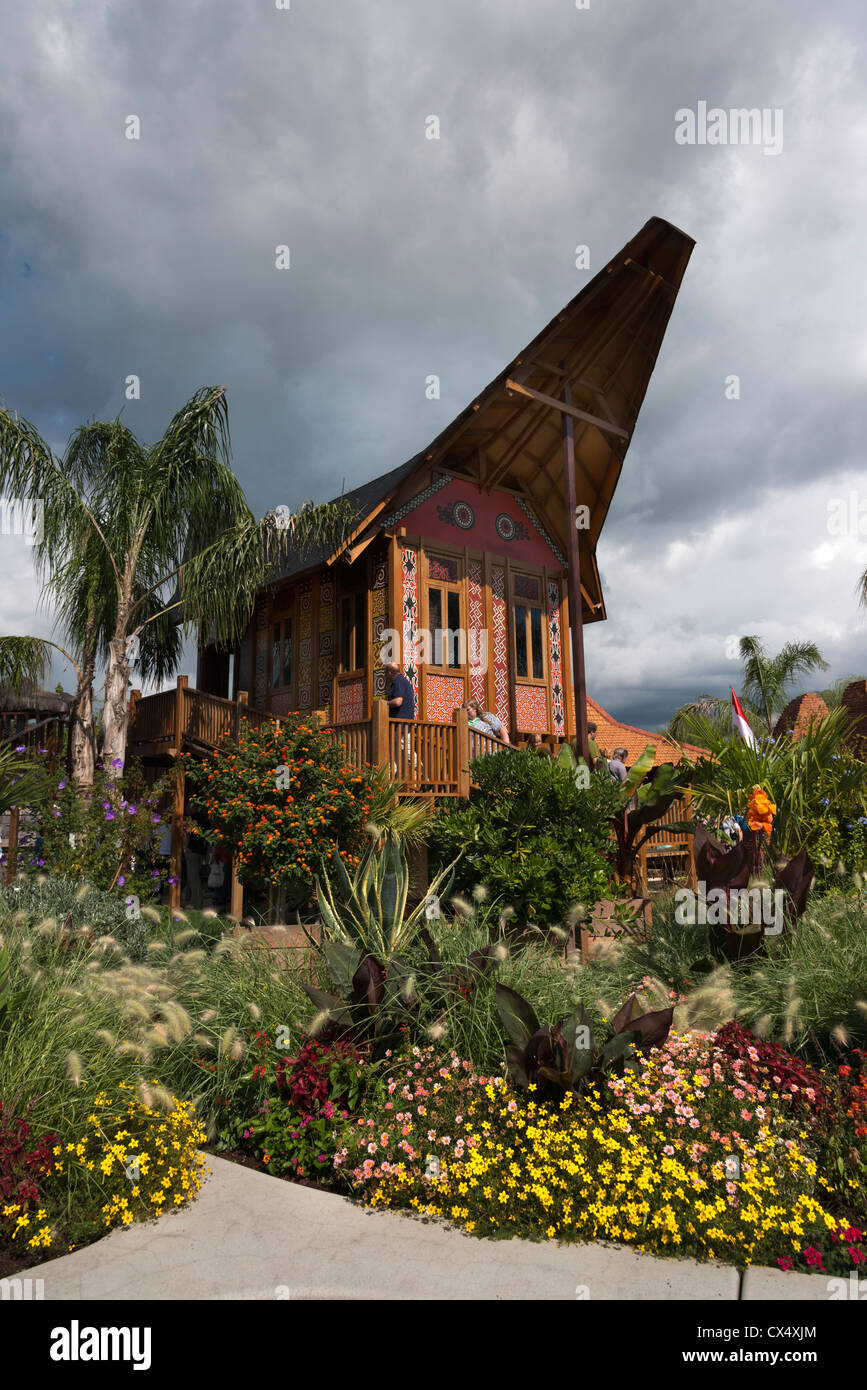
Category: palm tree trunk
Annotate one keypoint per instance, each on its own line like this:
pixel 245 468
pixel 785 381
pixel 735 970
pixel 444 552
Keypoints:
pixel 114 713
pixel 81 724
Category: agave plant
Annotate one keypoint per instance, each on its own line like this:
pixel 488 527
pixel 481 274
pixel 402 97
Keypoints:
pixel 563 1056
pixel 370 912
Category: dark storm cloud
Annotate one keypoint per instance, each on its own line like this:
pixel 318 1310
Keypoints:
pixel 412 256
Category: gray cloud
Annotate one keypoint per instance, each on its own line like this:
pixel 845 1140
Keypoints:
pixel 409 256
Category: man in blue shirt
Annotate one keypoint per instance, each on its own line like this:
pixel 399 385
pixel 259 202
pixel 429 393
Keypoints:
pixel 401 696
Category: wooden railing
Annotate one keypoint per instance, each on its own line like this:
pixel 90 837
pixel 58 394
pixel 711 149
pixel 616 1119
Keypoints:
pixel 355 740
pixel 485 743
pixel 423 755
pixel 669 849
pixel 152 719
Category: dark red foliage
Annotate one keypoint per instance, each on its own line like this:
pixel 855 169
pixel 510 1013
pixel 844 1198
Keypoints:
pixel 851 1088
pixel 22 1160
pixel 304 1081
pixel 770 1067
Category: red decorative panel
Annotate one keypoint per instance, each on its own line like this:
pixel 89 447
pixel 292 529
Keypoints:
pixel 351 704
pixel 442 697
pixel 531 709
pixel 527 586
pixel 443 569
pixel 458 513
pixel 555 656
pixel 409 566
pixel 501 645
pixel 476 623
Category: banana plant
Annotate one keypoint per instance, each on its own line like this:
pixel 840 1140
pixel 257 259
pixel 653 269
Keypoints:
pixel 563 1056
pixel 369 910
pixel 646 795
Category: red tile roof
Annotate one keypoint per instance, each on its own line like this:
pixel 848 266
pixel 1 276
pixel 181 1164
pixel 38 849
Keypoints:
pixel 611 734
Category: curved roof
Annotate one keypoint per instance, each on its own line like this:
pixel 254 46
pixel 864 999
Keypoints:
pixel 602 346
pixel 613 733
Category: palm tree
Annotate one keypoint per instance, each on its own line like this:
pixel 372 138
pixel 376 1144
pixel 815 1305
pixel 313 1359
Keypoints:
pixel 138 540
pixel 716 712
pixel 833 696
pixel 768 679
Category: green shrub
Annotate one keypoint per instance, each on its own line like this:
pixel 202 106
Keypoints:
pixel 78 905
pixel 105 833
pixel 536 840
pixel 285 802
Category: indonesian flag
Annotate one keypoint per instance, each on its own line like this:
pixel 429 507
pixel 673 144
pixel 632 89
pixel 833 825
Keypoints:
pixel 739 723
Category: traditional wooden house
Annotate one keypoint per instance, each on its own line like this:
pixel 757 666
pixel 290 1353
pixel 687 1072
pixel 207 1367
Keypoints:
pixel 466 564
pixel 469 561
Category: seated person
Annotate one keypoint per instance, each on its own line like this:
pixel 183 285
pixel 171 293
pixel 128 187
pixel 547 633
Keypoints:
pixel 484 721
pixel 535 744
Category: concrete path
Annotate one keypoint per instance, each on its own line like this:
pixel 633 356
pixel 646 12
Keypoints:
pixel 251 1236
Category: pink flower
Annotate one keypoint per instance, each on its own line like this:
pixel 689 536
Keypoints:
pixel 785 1263
pixel 813 1257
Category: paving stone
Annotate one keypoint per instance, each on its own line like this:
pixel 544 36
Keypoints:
pixel 251 1236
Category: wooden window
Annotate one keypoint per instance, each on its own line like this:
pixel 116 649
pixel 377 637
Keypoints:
pixel 529 628
pixel 352 632
pixel 282 662
pixel 445 613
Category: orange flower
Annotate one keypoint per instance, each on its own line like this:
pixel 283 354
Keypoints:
pixel 760 811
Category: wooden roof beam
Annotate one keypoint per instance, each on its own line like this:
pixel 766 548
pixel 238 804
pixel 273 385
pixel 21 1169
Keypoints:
pixel 553 404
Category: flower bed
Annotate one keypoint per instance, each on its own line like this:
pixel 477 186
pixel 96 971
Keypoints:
pixel 685 1155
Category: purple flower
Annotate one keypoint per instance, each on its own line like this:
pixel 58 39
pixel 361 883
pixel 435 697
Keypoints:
pixel 172 880
pixel 42 750
pixel 109 815
pixel 121 880
pixel 156 819
pixel 131 810
pixel 155 873
pixel 60 786
pixel 106 806
pixel 117 762
pixel 21 748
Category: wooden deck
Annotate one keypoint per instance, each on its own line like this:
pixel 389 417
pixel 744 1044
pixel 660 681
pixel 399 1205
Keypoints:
pixel 424 757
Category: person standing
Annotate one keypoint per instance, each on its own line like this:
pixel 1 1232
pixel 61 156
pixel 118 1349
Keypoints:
pixel 617 765
pixel 399 693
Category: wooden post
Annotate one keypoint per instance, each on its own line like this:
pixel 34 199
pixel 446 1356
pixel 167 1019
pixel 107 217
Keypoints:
pixel 241 700
pixel 12 848
pixel 177 841
pixel 236 900
pixel 462 751
pixel 574 577
pixel 236 903
pixel 179 714
pixel 380 754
